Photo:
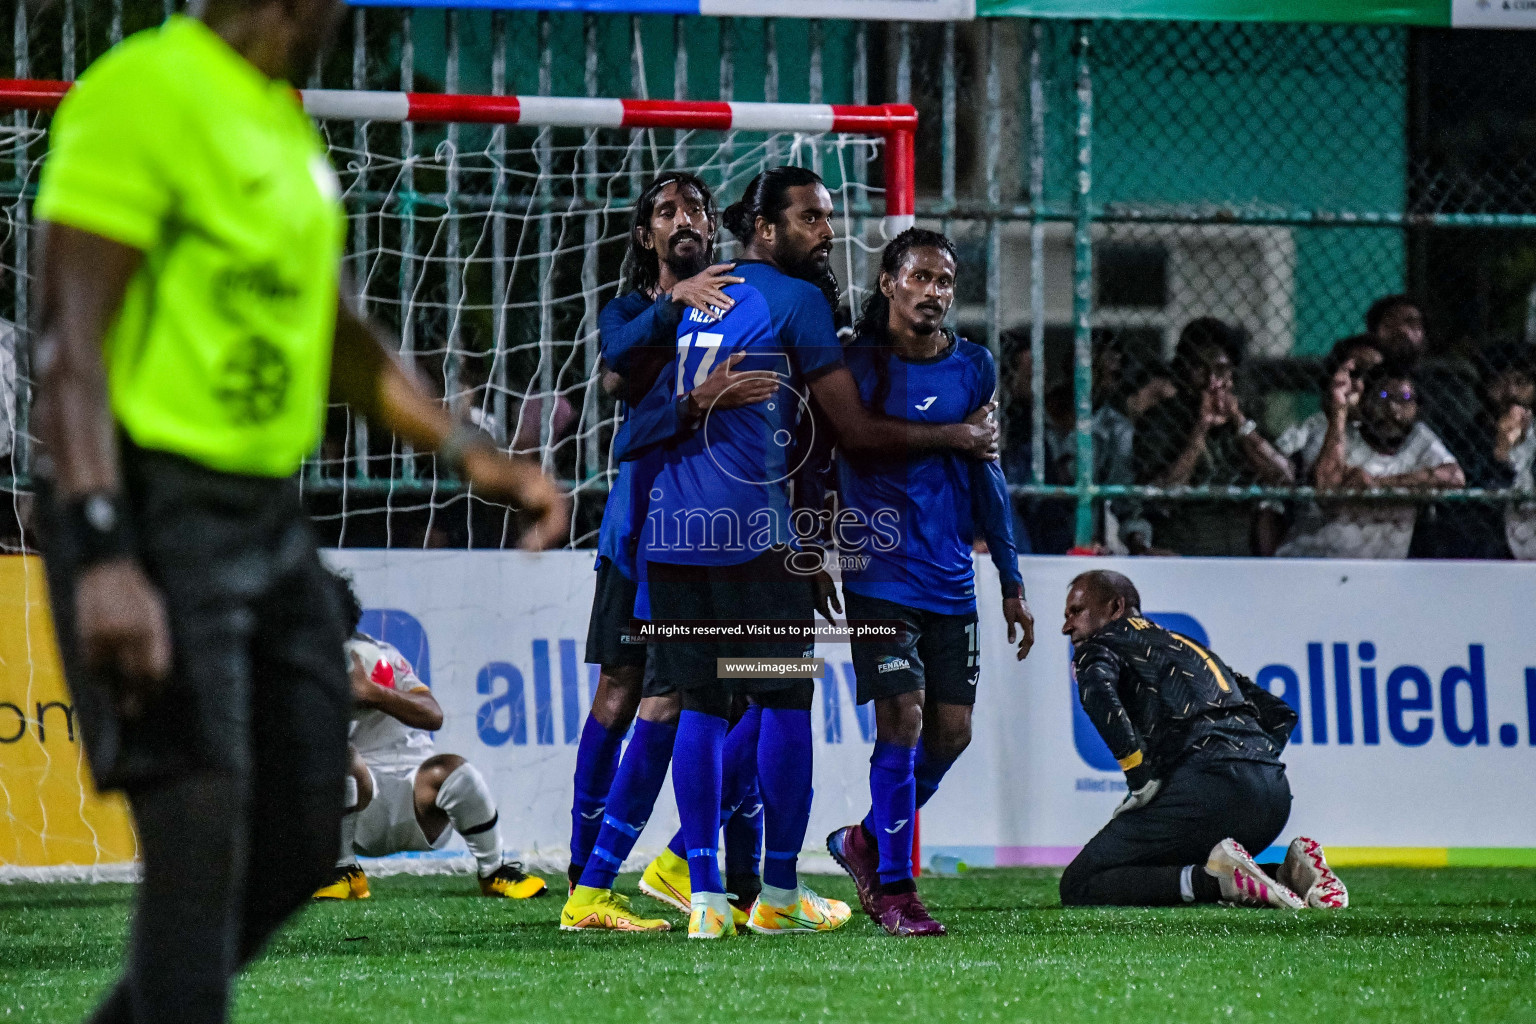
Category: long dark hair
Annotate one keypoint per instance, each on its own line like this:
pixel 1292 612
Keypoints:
pixel 641 270
pixel 873 326
pixel 767 196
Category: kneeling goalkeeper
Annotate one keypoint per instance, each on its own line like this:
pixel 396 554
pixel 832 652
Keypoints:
pixel 1199 745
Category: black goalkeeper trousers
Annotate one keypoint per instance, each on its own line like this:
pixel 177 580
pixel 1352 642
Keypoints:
pixel 234 773
pixel 1136 860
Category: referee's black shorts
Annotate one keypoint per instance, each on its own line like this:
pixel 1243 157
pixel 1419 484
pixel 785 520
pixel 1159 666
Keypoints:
pixel 764 588
pixel 258 683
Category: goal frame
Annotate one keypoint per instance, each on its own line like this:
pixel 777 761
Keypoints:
pixel 895 123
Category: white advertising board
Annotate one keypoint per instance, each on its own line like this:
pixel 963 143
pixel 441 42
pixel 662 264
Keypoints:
pixel 1415 682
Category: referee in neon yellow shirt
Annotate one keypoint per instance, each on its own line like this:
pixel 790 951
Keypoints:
pixel 192 329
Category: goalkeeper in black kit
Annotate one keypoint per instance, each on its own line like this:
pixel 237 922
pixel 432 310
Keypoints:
pixel 1199 746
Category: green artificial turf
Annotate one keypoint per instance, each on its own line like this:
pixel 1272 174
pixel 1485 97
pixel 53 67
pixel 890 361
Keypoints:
pixel 1446 945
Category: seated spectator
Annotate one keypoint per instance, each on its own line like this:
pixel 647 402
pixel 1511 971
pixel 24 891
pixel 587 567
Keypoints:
pixel 1396 325
pixel 1201 437
pixel 1498 458
pixel 1052 522
pixel 1385 447
pixel 1348 362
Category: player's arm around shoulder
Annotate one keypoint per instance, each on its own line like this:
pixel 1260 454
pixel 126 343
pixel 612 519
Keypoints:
pixel 382 680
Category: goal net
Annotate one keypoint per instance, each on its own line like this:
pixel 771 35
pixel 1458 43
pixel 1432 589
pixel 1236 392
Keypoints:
pixel 487 232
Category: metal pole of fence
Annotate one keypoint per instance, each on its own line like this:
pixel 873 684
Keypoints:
pixel 592 462
pixel 407 203
pixel 947 127
pixel 1082 283
pixel 360 224
pixel 904 62
pixel 115 27
pixel 454 269
pixel 68 41
pixel 771 78
pixel 993 157
pixel 860 162
pixel 727 93
pixel 546 260
pixel 1037 112
pixel 679 83
pixel 498 374
pixel 814 86
pixel 21 279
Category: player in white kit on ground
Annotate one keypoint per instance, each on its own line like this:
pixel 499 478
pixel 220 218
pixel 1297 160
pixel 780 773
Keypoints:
pixel 400 794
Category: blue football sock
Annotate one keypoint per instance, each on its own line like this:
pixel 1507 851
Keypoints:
pixel 630 802
pixel 597 758
pixel 744 836
pixel 928 772
pixel 738 761
pixel 893 806
pixel 696 782
pixel 784 778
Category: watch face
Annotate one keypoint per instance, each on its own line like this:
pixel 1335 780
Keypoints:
pixel 100 513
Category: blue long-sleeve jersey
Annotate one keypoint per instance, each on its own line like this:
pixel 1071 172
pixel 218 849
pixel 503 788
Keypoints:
pixel 637 334
pixel 915 516
pixel 721 495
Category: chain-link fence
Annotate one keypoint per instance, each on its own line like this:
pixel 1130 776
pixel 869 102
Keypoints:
pixel 1173 238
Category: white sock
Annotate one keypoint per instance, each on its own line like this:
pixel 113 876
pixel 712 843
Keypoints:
pixel 776 897
pixel 466 798
pixel 1187 883
pixel 348 824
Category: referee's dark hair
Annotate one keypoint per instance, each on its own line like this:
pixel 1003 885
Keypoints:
pixel 1106 585
pixel 641 269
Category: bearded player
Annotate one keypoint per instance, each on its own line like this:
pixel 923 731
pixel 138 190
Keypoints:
pixel 1199 745
pixel 914 521
pixel 401 796
pixel 717 544
pixel 666 272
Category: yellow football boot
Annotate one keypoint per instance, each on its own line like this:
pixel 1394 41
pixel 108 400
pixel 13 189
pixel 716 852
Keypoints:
pixel 802 912
pixel 591 909
pixel 710 917
pixel 510 883
pixel 666 879
pixel 349 883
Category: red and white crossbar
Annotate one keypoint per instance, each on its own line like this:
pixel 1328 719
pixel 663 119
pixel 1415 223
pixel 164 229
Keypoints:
pixel 895 122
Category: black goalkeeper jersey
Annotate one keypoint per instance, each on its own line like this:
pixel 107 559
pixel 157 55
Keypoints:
pixel 1159 699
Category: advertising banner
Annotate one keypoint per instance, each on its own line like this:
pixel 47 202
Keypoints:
pixel 1415 682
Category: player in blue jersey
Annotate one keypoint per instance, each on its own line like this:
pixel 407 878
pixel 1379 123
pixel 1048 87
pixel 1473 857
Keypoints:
pixel 717 544
pixel 666 270
pixel 905 530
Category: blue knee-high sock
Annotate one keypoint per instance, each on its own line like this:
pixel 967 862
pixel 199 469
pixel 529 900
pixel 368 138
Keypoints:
pixel 630 802
pixel 784 778
pixel 928 772
pixel 893 805
pixel 744 836
pixel 738 761
pixel 597 758
pixel 696 781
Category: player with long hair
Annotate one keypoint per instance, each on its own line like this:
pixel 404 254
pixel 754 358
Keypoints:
pixel 717 543
pixel 666 272
pixel 192 329
pixel 909 523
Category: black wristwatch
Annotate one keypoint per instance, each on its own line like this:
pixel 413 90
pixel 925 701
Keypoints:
pixel 97 526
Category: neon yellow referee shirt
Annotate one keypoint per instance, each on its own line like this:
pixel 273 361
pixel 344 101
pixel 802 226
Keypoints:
pixel 174 144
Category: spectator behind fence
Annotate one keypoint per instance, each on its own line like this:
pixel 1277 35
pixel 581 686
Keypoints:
pixel 1201 437
pixel 1385 447
pixel 1052 521
pixel 1344 372
pixel 1499 458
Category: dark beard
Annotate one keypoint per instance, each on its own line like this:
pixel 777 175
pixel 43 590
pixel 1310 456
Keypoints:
pixel 807 269
pixel 684 267
pixel 1376 439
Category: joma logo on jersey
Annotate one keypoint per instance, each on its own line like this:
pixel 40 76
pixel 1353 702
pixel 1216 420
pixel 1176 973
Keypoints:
pixel 925 403
pixel 891 663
